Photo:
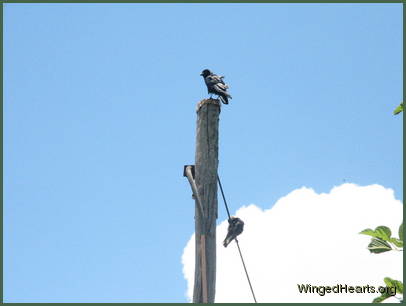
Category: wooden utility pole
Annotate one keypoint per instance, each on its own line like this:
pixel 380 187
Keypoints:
pixel 204 186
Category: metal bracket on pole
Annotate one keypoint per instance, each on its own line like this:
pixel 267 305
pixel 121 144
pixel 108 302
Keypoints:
pixel 189 172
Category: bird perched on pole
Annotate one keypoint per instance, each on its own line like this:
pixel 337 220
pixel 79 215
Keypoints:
pixel 235 227
pixel 215 85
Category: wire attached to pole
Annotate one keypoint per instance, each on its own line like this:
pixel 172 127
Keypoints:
pixel 238 245
pixel 224 198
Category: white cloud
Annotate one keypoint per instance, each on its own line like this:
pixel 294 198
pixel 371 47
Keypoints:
pixel 306 238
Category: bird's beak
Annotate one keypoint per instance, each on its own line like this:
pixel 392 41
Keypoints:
pixel 201 74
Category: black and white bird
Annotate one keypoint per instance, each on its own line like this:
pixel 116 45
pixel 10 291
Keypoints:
pixel 215 85
pixel 235 227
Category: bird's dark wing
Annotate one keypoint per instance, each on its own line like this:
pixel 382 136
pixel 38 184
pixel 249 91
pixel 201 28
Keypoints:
pixel 218 78
pixel 214 79
pixel 239 227
pixel 222 86
pixel 211 80
pixel 219 89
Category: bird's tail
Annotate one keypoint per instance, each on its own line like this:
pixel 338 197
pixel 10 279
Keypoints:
pixel 226 242
pixel 224 98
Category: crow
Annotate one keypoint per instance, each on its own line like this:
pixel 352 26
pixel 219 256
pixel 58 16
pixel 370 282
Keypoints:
pixel 235 227
pixel 215 85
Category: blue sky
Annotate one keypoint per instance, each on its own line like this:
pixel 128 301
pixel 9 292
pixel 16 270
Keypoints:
pixel 99 119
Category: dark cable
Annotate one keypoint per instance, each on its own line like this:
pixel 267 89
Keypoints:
pixel 224 198
pixel 238 245
pixel 246 272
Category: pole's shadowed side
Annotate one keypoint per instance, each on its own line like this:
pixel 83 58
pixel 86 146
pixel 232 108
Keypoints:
pixel 206 164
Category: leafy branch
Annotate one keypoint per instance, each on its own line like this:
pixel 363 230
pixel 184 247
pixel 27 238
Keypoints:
pixel 390 283
pixel 382 241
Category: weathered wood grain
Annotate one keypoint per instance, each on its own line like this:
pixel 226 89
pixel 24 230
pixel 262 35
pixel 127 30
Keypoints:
pixel 206 164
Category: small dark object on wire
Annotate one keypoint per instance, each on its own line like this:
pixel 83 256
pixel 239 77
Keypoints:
pixel 235 227
pixel 238 245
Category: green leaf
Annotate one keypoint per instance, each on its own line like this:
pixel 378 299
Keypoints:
pixel 401 232
pixel 381 298
pixel 398 109
pixel 378 245
pixel 368 232
pixel 399 286
pixel 382 232
pixel 389 282
pixel 397 242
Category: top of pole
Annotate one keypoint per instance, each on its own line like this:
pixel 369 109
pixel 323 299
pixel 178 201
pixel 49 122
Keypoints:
pixel 208 101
